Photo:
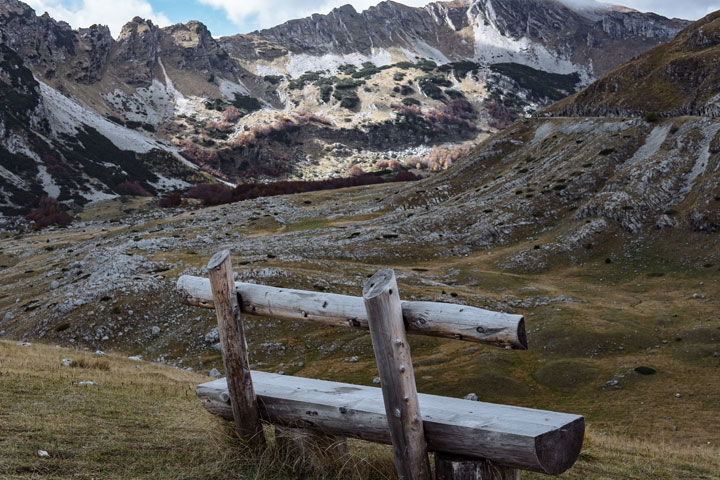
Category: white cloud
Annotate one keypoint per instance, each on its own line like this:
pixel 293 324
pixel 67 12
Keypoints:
pixel 688 9
pixel 268 13
pixel 112 13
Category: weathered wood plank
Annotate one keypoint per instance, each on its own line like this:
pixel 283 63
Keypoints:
pixel 453 467
pixel 392 354
pixel 536 440
pixel 234 350
pixel 424 318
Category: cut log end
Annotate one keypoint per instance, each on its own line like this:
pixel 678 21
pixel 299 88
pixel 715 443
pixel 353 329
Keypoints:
pixel 522 343
pixel 218 259
pixel 558 449
pixel 378 283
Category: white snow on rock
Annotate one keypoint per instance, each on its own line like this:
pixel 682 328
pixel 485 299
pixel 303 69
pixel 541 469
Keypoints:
pixel 68 116
pixel 182 104
pixel 230 89
pixel 152 105
pixel 491 46
pixel 301 63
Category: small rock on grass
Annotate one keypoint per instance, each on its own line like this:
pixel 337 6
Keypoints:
pixel 215 373
pixel 87 382
pixel 471 396
pixel 43 453
pixel 66 362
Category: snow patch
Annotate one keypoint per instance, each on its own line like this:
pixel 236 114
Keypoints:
pixel 298 64
pixel 230 89
pixel 182 104
pixel 67 116
pixel 491 46
pixel 152 105
pixel 653 142
pixel 165 183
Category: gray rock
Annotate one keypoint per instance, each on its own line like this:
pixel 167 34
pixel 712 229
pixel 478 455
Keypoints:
pixel 87 382
pixel 213 336
pixel 54 285
pixel 376 380
pixel 217 347
pixel 611 384
pixel 8 316
pixel 215 373
pixel 353 359
pixel 471 396
pixel 66 362
pixel 155 330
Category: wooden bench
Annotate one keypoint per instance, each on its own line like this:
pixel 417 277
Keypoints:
pixel 471 440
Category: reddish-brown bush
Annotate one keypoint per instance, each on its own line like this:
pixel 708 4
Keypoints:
pixel 217 194
pixel 212 194
pixel 133 189
pixel 49 212
pixel 500 116
pixel 439 158
pixel 205 159
pixel 355 170
pixel 171 200
pixel 279 124
pixel 231 114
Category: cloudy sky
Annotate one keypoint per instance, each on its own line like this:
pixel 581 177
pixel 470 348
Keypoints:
pixel 227 17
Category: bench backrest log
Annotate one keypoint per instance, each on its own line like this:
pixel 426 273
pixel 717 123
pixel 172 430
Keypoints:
pixel 472 440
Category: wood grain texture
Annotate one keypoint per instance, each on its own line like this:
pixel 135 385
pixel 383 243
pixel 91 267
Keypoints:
pixel 435 319
pixel 234 350
pixel 392 354
pixel 536 440
pixel 454 467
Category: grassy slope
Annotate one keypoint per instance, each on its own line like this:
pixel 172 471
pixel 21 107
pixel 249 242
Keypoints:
pixel 146 423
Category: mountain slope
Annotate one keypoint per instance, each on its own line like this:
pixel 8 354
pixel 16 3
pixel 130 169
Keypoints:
pixel 311 98
pixel 677 78
pixel 52 145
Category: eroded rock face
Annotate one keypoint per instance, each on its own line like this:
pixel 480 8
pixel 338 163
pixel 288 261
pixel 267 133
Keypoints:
pixel 135 56
pixel 677 78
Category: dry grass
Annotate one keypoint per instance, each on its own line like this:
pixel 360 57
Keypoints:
pixel 146 423
pixel 134 423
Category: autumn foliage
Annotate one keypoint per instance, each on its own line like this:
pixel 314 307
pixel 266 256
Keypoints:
pixel 439 158
pixel 217 194
pixel 49 212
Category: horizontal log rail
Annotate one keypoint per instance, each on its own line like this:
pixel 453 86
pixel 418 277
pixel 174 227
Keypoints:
pixel 447 320
pixel 535 440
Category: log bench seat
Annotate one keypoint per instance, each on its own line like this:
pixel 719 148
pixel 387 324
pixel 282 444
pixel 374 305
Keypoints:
pixel 528 439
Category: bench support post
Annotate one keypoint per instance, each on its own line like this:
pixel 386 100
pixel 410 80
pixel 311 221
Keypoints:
pixel 234 351
pixel 455 467
pixel 392 353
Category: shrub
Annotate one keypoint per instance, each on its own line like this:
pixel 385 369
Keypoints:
pixel 652 117
pixel 500 116
pixel 212 194
pixel 273 79
pixel 410 101
pixel 49 212
pixel 355 171
pixel 171 200
pixel 133 189
pixel 439 158
pixel 231 114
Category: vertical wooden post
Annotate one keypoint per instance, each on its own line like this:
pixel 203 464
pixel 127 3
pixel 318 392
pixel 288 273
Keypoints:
pixel 392 353
pixel 234 350
pixel 454 467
